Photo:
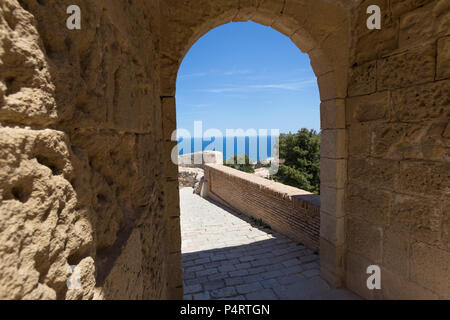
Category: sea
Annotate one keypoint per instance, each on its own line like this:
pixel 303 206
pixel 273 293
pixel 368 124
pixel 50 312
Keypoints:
pixel 258 148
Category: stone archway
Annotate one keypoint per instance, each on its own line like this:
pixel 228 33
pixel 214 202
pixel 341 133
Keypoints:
pixel 86 117
pixel 321 31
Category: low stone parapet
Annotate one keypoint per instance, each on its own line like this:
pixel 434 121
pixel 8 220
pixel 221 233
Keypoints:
pixel 199 159
pixel 288 210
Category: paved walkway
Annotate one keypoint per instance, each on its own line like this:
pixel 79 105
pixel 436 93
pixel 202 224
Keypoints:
pixel 226 255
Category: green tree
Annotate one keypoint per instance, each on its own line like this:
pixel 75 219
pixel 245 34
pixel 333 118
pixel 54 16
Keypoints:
pixel 241 163
pixel 300 167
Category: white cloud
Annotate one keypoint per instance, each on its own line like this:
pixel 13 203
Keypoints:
pixel 236 72
pixel 233 72
pixel 291 86
pixel 193 75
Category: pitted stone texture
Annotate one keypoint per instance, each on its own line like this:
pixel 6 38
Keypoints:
pixel 42 226
pixel 227 256
pixel 425 24
pixel 398 130
pixel 26 88
pixel 91 187
pixel 363 79
pixel 405 69
pixel 425 102
pixel 376 44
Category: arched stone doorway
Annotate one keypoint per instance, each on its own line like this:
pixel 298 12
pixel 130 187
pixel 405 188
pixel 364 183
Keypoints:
pixel 80 113
pixel 320 29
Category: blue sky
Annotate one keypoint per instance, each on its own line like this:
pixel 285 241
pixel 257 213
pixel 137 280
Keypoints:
pixel 245 75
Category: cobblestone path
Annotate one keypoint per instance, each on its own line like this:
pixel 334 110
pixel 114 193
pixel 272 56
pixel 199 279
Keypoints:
pixel 227 255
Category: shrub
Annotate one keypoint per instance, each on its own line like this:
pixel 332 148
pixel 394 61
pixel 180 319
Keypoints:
pixel 241 163
pixel 301 154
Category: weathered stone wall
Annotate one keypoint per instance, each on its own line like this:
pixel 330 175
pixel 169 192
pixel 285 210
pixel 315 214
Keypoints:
pixel 86 119
pixel 81 153
pixel 288 210
pixel 398 110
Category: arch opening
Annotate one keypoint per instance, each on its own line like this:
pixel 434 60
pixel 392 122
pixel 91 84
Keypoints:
pixel 333 151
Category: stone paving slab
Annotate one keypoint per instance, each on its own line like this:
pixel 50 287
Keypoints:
pixel 226 255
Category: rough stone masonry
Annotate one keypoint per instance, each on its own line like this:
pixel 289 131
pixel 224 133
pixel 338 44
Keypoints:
pixel 86 118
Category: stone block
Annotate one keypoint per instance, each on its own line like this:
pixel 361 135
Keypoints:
pixel 174 235
pixel 304 40
pixel 332 229
pixel 429 227
pixel 333 144
pixel 365 239
pixel 414 66
pixel 248 288
pixel 396 286
pixel 169 70
pixel 332 85
pixel 400 7
pixel 272 6
pixel 332 263
pixel 307 14
pixel 334 47
pixel 416 26
pixel 286 24
pixel 443 59
pixel 424 24
pixel 391 141
pixel 333 172
pixel 417 177
pixel 446 228
pixel 363 79
pixel 424 102
pixel 418 217
pixel 396 251
pixel 332 114
pixel 247 9
pixel 332 201
pixel 170 153
pixel 319 62
pixel 131 102
pixel 373 172
pixel 430 267
pixel 376 43
pixel 359 140
pixel 368 107
pixel 169 117
pixel 372 205
pixel 408 141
